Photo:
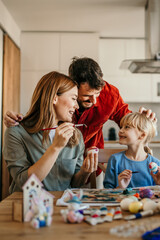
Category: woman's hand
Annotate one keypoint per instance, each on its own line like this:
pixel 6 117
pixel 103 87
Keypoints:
pixel 156 177
pixel 12 119
pixel 63 133
pixel 124 178
pixel 90 163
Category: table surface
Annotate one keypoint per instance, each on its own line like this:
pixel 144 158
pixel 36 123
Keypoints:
pixel 60 230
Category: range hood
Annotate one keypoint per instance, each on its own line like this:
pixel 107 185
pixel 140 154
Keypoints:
pixel 152 30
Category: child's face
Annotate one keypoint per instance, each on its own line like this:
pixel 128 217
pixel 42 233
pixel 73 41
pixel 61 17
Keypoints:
pixel 129 135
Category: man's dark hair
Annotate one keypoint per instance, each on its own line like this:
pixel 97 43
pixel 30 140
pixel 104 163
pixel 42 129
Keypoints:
pixel 86 70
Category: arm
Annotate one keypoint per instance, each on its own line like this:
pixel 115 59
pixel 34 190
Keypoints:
pixel 17 160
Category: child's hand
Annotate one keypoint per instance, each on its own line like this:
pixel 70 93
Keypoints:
pixel 124 178
pixel 156 177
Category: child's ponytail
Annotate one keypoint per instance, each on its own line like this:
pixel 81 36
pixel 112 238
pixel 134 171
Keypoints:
pixel 148 150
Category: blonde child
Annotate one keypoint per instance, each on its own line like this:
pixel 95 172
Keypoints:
pixel 130 168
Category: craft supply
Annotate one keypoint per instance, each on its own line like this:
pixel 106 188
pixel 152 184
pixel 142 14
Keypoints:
pixel 139 215
pixel 132 172
pixel 92 150
pixel 75 125
pixel 95 219
pixel 109 215
pixel 153 167
pixel 146 193
pixel 158 206
pixel 135 207
pixel 71 216
pixel 125 203
pixel 152 235
pixel 117 214
pixel 149 205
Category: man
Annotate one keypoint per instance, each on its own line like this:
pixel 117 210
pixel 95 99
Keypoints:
pixel 98 102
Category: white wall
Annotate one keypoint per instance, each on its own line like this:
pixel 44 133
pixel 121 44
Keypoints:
pixel 8 24
pixel 43 52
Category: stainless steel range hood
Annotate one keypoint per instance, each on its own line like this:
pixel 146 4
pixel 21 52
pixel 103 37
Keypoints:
pixel 152 28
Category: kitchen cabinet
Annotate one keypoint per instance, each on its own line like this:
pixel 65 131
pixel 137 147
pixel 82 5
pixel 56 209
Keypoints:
pixel 132 87
pixel 40 51
pixel 43 52
pixel 77 44
pixel 11 94
pixel 156 88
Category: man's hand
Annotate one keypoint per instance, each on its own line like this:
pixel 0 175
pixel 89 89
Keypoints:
pixel 12 119
pixel 124 178
pixel 149 113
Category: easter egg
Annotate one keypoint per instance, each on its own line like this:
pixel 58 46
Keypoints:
pixel 135 207
pixel 133 198
pixel 92 150
pixel 153 167
pixel 158 206
pixel 145 193
pixel 149 205
pixel 125 203
pixel 145 200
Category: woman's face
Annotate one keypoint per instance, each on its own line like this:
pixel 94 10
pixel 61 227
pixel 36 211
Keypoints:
pixel 66 104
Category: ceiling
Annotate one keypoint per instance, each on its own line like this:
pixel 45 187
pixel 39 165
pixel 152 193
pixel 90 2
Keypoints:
pixel 69 15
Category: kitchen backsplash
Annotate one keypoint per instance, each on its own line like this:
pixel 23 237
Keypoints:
pixel 134 107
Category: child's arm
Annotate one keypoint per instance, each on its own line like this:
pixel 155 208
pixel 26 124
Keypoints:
pixel 156 177
pixel 124 178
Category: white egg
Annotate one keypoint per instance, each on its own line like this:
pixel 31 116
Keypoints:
pixel 158 206
pixel 149 205
pixel 125 203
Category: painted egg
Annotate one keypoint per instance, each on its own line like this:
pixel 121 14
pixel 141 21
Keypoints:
pixel 93 150
pixel 134 198
pixel 146 193
pixel 145 200
pixel 125 203
pixel 135 207
pixel 153 167
pixel 149 205
pixel 158 205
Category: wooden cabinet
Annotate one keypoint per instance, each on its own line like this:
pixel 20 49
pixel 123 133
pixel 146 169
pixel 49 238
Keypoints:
pixel 11 93
pixel 132 87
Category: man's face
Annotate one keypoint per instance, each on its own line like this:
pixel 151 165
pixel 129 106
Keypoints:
pixel 87 96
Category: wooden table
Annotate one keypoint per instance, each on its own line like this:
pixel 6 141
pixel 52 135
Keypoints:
pixel 59 230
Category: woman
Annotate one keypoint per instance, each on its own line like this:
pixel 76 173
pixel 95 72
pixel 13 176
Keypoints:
pixel 56 156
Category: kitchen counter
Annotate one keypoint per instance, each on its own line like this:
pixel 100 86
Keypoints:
pixel 115 144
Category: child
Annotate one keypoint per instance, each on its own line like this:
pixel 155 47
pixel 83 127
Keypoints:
pixel 136 130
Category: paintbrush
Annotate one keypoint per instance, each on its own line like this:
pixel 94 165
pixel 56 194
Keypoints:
pixel 75 125
pixel 132 172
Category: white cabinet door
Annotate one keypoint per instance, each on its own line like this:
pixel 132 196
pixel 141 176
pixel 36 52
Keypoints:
pixel 155 88
pixel 133 87
pixel 77 44
pixel 111 54
pixel 40 51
